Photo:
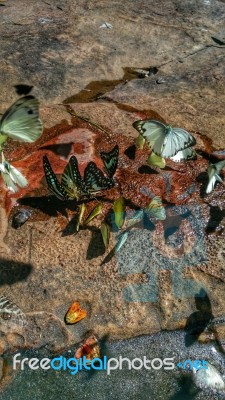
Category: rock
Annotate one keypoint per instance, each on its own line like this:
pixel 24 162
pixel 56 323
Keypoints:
pixel 209 378
pixel 66 268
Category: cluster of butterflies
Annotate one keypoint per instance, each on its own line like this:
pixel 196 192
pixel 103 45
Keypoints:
pixel 120 219
pixel 173 143
pixel 21 122
pixel 73 186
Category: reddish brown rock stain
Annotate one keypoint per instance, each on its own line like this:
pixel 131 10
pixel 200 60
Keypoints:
pixel 86 142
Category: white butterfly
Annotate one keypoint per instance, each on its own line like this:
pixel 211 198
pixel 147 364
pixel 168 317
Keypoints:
pixel 10 313
pixel 21 121
pixel 11 176
pixel 213 173
pixel 209 378
pixel 186 154
pixel 164 140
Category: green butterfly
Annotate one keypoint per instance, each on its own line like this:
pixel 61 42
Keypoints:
pixel 105 231
pixel 95 180
pixel 21 121
pixel 156 161
pixel 110 160
pixel 155 209
pixel 72 185
pixel 72 181
pixel 53 183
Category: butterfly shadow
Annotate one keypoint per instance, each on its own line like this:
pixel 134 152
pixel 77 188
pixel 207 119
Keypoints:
pixel 172 223
pixel 23 90
pixel 210 157
pixel 216 216
pixel 187 389
pixel 146 169
pixel 130 152
pixel 13 271
pixel 49 205
pixel 203 179
pixel 62 149
pixel 198 321
pixel 96 246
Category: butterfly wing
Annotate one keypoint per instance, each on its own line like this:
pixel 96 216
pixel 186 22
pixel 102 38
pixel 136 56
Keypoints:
pixel 177 139
pixel 213 171
pixel 186 154
pixel 10 313
pixel 110 160
pixel 9 183
pixel 95 180
pixel 155 209
pixel 154 132
pixel 219 165
pixel 121 240
pixel 72 181
pixel 21 121
pixel 53 184
pixel 12 177
pixel 156 161
pixel 105 231
pixel 164 140
pixel 17 177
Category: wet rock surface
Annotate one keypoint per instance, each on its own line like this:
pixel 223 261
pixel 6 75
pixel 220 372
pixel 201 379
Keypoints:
pixel 61 50
pixel 144 287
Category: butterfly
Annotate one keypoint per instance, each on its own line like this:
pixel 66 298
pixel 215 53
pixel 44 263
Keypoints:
pixel 94 213
pixel 10 313
pixel 12 177
pixel 186 154
pixel 110 160
pixel 164 140
pixel 53 183
pixel 155 209
pixel 156 161
pixel 105 231
pixel 90 349
pixel 213 174
pixel 72 186
pixel 21 121
pixel 95 180
pixel 121 240
pixel 72 181
pixel 75 314
pixel 119 207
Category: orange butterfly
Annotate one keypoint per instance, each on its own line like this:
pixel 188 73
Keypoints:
pixel 75 314
pixel 90 349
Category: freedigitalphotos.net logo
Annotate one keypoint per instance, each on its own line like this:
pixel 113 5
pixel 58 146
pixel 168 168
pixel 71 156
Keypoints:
pixel 149 250
pixel 74 365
